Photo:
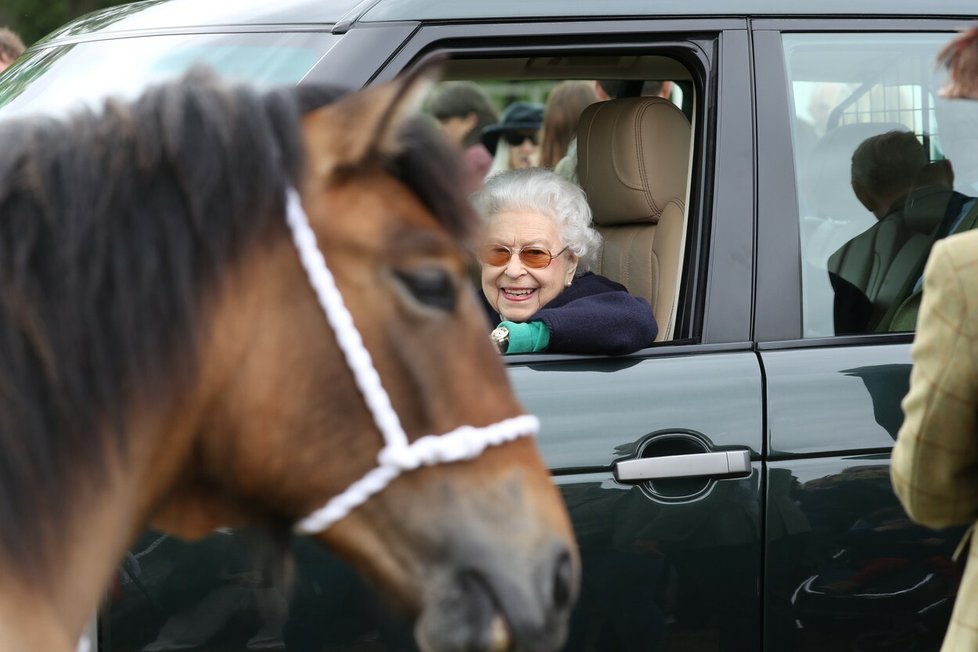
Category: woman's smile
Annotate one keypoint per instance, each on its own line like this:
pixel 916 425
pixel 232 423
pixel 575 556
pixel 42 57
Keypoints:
pixel 517 294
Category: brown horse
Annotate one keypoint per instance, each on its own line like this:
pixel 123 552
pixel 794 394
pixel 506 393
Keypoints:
pixel 164 360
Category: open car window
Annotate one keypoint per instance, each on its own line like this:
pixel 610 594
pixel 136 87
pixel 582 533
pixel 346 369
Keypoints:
pixel 561 89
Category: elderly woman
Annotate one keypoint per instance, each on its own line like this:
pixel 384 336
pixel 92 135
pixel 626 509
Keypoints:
pixel 537 247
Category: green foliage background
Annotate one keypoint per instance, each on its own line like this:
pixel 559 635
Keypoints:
pixel 33 19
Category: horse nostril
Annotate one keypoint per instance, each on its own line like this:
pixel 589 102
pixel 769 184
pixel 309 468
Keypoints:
pixel 563 581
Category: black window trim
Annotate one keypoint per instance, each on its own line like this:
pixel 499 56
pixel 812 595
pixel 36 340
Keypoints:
pixel 697 44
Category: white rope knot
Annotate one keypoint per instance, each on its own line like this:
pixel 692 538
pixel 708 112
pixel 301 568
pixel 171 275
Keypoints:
pixel 463 443
pixel 397 455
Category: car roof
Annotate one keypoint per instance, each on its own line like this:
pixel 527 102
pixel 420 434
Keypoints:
pixel 339 15
pixel 385 10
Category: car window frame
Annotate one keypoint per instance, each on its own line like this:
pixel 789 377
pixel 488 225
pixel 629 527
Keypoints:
pixel 715 50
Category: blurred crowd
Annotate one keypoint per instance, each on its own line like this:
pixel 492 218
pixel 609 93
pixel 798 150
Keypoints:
pixel 524 134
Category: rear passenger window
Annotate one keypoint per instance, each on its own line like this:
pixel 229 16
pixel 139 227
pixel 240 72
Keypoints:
pixel 544 111
pixel 884 168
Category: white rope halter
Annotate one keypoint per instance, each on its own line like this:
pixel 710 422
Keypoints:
pixel 397 454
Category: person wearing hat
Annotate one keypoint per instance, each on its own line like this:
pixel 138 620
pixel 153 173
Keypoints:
pixel 514 140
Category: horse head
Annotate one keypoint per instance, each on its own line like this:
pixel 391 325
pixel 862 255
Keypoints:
pixel 480 549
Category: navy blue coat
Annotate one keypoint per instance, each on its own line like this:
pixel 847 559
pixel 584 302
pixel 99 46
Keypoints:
pixel 593 315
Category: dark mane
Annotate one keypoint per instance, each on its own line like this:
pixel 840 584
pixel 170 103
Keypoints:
pixel 113 225
pixel 430 167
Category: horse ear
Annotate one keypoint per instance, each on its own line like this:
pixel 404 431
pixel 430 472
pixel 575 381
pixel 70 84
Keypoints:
pixel 363 128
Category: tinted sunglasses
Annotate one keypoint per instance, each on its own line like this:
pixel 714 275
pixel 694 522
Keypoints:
pixel 516 138
pixel 533 257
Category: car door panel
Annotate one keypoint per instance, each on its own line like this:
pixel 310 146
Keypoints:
pixel 665 575
pixel 827 399
pixel 594 412
pixel 846 567
pixel 668 564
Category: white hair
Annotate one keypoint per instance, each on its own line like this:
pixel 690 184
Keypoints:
pixel 538 190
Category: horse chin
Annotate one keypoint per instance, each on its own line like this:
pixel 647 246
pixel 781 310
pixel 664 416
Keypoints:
pixel 465 612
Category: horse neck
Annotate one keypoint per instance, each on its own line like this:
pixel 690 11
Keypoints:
pixel 52 615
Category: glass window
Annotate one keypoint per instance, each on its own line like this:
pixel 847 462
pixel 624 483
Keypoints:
pixel 883 168
pixel 59 78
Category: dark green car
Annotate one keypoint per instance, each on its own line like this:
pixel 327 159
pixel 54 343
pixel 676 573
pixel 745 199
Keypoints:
pixel 729 485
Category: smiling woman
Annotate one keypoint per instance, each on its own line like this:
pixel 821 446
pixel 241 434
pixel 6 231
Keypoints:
pixel 536 286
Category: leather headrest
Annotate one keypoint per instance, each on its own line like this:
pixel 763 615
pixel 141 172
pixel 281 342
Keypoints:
pixel 633 158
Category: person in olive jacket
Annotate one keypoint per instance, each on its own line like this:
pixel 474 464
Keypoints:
pixel 537 248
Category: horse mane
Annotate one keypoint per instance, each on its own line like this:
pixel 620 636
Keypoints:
pixel 429 166
pixel 114 225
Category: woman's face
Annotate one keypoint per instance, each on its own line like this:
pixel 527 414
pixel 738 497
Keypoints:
pixel 514 290
pixel 524 152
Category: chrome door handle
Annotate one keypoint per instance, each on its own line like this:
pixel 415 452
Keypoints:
pixel 724 463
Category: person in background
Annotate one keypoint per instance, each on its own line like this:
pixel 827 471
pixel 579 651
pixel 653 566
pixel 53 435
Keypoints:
pixel 882 174
pixel 514 140
pixel 463 110
pixel 11 47
pixel 560 115
pixel 934 467
pixel 536 287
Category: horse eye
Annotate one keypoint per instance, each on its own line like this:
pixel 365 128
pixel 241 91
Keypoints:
pixel 431 286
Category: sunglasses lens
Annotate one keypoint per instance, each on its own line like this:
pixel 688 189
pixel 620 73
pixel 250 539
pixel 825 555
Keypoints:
pixel 534 257
pixel 516 139
pixel 496 256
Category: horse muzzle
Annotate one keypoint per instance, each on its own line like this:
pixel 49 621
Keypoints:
pixel 493 602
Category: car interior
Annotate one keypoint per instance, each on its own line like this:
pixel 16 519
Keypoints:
pixel 634 161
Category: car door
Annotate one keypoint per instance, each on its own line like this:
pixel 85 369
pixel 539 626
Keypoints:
pixel 671 562
pixel 843 565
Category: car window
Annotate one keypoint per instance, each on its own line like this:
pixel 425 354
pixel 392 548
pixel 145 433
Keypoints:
pixel 68 76
pixel 883 169
pixel 528 85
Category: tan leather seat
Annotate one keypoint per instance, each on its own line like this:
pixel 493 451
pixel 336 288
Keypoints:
pixel 633 163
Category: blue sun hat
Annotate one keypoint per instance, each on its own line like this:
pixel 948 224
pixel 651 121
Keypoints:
pixel 526 117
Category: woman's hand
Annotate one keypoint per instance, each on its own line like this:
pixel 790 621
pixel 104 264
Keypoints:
pixel 525 337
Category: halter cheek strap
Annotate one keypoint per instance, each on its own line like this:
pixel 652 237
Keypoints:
pixel 398 454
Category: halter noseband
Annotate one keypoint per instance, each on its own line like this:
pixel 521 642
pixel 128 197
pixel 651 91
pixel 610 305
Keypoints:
pixel 398 454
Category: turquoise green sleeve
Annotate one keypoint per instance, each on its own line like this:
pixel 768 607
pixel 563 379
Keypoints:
pixel 527 337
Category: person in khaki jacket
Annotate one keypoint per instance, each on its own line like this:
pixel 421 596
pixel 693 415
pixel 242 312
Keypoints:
pixel 934 468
